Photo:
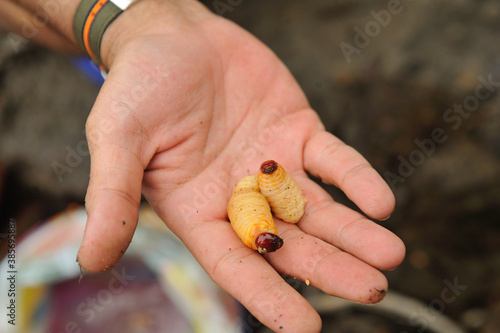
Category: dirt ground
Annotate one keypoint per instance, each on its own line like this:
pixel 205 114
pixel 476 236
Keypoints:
pixel 412 85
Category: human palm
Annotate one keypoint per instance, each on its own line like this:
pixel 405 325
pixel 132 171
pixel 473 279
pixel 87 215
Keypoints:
pixel 182 120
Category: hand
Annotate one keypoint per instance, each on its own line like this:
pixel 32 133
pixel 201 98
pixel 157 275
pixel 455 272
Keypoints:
pixel 186 111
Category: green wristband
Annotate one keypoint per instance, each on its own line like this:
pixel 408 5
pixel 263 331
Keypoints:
pixel 90 22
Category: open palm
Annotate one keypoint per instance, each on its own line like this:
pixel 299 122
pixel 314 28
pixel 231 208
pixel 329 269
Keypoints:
pixel 182 120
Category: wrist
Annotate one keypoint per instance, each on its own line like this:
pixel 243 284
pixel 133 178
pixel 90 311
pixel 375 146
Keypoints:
pixel 148 17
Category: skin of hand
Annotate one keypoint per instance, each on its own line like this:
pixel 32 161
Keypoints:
pixel 192 103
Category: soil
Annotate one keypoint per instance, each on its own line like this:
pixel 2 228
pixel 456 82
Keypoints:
pixel 412 85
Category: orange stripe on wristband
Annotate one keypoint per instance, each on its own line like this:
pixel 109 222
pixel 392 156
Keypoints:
pixel 88 24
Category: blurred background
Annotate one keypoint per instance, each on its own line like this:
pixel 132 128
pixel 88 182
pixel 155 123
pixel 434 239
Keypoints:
pixel 412 85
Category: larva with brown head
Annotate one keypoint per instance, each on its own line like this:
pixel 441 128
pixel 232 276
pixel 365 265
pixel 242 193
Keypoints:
pixel 251 218
pixel 281 191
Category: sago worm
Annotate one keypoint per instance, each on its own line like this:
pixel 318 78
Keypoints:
pixel 251 217
pixel 281 191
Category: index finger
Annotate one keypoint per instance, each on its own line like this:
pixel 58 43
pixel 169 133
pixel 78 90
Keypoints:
pixel 328 158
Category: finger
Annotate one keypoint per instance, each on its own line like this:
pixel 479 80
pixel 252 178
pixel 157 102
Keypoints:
pixel 247 276
pixel 240 271
pixel 326 267
pixel 114 191
pixel 349 230
pixel 328 158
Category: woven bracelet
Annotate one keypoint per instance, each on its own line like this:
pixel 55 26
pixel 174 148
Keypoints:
pixel 91 21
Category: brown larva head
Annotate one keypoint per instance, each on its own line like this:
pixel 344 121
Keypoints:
pixel 268 242
pixel 268 167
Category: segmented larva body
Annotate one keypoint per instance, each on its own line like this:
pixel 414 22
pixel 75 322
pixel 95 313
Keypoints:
pixel 251 217
pixel 281 191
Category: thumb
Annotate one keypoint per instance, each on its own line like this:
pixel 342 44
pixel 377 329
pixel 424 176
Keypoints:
pixel 114 192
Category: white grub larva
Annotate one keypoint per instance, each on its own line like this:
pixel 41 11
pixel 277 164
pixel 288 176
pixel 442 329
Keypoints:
pixel 281 191
pixel 251 218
